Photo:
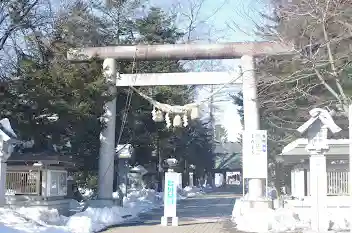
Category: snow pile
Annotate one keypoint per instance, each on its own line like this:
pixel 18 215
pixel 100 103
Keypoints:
pixel 284 219
pixel 42 216
pixel 339 219
pixel 96 219
pixel 43 220
pixel 142 200
pixel 279 220
pixel 207 188
pixel 29 221
pixel 266 219
pixel 191 191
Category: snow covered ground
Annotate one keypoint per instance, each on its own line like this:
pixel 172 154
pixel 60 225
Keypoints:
pixel 41 220
pixel 286 219
pixel 191 192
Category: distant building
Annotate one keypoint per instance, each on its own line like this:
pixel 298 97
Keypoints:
pixel 228 163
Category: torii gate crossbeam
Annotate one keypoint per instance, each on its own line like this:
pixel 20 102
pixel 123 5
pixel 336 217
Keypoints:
pixel 246 51
pixel 182 51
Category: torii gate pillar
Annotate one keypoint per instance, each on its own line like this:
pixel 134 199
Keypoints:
pixel 251 117
pixel 107 136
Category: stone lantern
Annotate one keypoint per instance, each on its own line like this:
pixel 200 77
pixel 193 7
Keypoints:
pixel 316 130
pixel 172 163
pixel 192 169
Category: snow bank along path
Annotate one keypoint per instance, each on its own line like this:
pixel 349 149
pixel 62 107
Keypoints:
pixel 286 219
pixel 42 220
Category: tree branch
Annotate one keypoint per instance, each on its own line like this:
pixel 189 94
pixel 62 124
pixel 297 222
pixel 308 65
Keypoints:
pixel 13 27
pixel 332 64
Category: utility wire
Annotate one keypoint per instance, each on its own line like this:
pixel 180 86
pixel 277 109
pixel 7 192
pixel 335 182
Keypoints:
pixel 125 115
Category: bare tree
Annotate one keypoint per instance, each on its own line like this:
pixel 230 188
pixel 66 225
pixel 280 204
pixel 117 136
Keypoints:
pixel 23 24
pixel 316 75
pixel 197 18
pixel 321 32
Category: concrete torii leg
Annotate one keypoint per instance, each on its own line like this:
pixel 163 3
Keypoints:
pixel 255 205
pixel 251 115
pixel 107 137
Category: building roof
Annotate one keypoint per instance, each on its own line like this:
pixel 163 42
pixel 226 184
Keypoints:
pixel 296 151
pixel 6 132
pixel 46 157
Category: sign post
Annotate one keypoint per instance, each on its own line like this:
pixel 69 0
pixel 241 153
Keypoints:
pixel 172 180
pixel 255 156
pixel 170 198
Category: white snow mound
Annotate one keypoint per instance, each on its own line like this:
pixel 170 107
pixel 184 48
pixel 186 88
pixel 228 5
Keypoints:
pixel 42 220
pixel 286 219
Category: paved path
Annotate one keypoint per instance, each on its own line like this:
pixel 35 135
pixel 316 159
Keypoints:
pixel 209 213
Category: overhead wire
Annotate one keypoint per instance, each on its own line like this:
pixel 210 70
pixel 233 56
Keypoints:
pixel 125 114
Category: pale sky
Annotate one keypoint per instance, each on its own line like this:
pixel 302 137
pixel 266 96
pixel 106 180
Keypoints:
pixel 218 21
pixel 221 21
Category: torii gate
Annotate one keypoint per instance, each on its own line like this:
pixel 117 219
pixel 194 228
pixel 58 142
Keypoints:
pixel 246 51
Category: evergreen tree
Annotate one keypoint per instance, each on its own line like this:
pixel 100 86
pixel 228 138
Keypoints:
pixel 184 143
pixel 57 103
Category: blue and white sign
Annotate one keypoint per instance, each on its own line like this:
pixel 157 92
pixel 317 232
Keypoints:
pixel 170 194
pixel 255 154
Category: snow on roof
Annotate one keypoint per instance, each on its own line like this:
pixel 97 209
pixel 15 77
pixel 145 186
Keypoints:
pixel 302 142
pixel 6 128
pixel 139 169
pixel 325 118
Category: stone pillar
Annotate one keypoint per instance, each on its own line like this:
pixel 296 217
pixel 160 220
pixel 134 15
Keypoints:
pixel 191 184
pixel 297 182
pixel 123 169
pixel 107 137
pixel 318 191
pixel 3 167
pixel 350 159
pixel 70 187
pixel 4 155
pixel 251 116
